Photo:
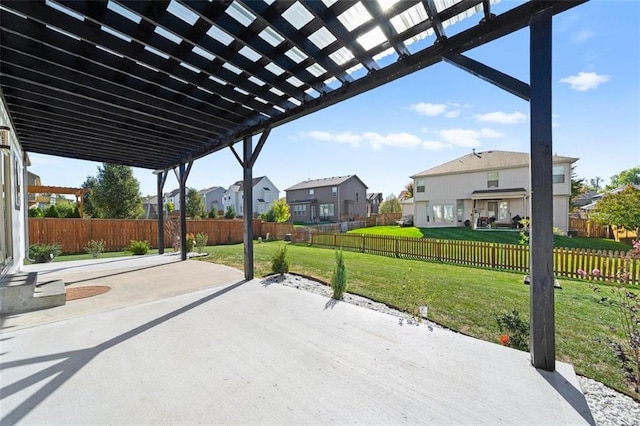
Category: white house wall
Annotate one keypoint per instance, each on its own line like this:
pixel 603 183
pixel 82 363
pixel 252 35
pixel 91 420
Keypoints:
pixel 14 205
pixel 447 189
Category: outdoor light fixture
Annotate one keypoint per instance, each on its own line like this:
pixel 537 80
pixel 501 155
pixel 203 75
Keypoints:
pixel 4 138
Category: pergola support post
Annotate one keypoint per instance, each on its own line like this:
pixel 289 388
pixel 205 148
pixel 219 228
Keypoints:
pixel 182 175
pixel 541 241
pixel 162 178
pixel 249 157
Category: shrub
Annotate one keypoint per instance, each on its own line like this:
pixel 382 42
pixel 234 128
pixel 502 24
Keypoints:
pixel 213 213
pixel 36 212
pixel 268 216
pixel 190 241
pixel 201 241
pixel 44 253
pixel 279 261
pixel 230 213
pixel 51 211
pixel 94 248
pixel 339 278
pixel 138 247
pixel 515 330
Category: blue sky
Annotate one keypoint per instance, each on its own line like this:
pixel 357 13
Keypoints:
pixel 440 113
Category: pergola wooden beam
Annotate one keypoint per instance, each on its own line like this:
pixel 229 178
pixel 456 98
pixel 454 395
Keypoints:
pixel 78 192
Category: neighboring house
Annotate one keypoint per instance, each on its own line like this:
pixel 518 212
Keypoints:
pixel 264 194
pixel 174 197
pixel 374 200
pixel 150 207
pixel 212 198
pixel 484 187
pixel 586 208
pixel 407 206
pixel 331 199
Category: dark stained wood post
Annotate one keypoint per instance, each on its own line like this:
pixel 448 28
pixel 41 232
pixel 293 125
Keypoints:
pixel 247 203
pixel 183 212
pixel 162 177
pixel 541 242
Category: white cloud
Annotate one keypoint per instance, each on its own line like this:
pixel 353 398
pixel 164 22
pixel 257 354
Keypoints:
pixel 344 137
pixel 502 117
pixel 435 145
pixel 490 133
pixel 461 137
pixel 428 109
pixel 452 114
pixel 586 80
pixel 582 35
pixel 399 140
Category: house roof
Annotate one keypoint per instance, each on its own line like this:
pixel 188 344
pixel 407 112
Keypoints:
pixel 486 160
pixel 254 181
pixel 373 195
pixel 210 189
pixel 319 183
pixel 172 193
pixel 157 84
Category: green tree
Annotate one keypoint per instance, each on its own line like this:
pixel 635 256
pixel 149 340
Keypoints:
pixel 268 216
pixel 170 207
pixel 576 187
pixel 89 209
pixel 66 208
pixel 595 184
pixel 621 209
pixel 390 205
pixel 195 204
pixel 281 210
pixel 117 192
pixel 213 213
pixel 625 177
pixel 408 190
pixel 51 211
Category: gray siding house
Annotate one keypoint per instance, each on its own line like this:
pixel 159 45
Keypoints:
pixel 213 198
pixel 333 199
pixel 374 200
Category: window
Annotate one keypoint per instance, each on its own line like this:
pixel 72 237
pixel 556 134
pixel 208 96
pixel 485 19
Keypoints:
pixel 300 210
pixel 492 179
pixel 442 213
pixel 311 193
pixel 503 211
pixel 326 210
pixel 558 174
pixel 266 188
pixel 357 196
pixel 460 210
pixel 420 185
pixel 334 191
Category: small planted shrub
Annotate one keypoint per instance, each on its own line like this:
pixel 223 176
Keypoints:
pixel 230 213
pixel 51 211
pixel 201 241
pixel 279 261
pixel 94 248
pixel 190 242
pixel 339 278
pixel 44 253
pixel 138 247
pixel 514 330
pixel 36 212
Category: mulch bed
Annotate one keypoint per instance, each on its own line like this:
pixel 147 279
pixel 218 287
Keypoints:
pixel 75 293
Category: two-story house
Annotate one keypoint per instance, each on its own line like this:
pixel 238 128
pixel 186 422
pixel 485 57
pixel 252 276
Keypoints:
pixel 374 200
pixel 485 188
pixel 212 198
pixel 264 194
pixel 331 199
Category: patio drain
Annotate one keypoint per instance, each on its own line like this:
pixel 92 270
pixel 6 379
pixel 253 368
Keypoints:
pixel 76 293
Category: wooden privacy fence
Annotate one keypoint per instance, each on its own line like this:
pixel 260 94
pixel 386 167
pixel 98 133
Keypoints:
pixel 588 228
pixel 383 219
pixel 74 234
pixel 567 262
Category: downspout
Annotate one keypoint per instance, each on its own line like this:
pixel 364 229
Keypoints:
pixel 25 206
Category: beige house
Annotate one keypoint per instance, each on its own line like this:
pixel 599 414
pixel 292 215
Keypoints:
pixel 484 189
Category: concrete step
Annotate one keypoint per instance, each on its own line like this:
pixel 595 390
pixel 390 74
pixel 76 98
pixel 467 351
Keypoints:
pixel 48 294
pixel 20 293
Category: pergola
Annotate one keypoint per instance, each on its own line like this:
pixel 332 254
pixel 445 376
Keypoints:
pixel 160 84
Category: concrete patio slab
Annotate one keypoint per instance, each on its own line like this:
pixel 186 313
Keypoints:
pixel 252 354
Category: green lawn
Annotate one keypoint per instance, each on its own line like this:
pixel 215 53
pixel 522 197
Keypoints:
pixel 461 298
pixel 490 236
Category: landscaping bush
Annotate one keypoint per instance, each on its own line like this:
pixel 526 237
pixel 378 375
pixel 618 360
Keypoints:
pixel 230 213
pixel 339 278
pixel 94 248
pixel 279 261
pixel 51 211
pixel 201 241
pixel 190 242
pixel 515 330
pixel 36 212
pixel 44 253
pixel 138 247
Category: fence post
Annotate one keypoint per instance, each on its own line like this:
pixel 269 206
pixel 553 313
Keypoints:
pixel 396 247
pixel 362 243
